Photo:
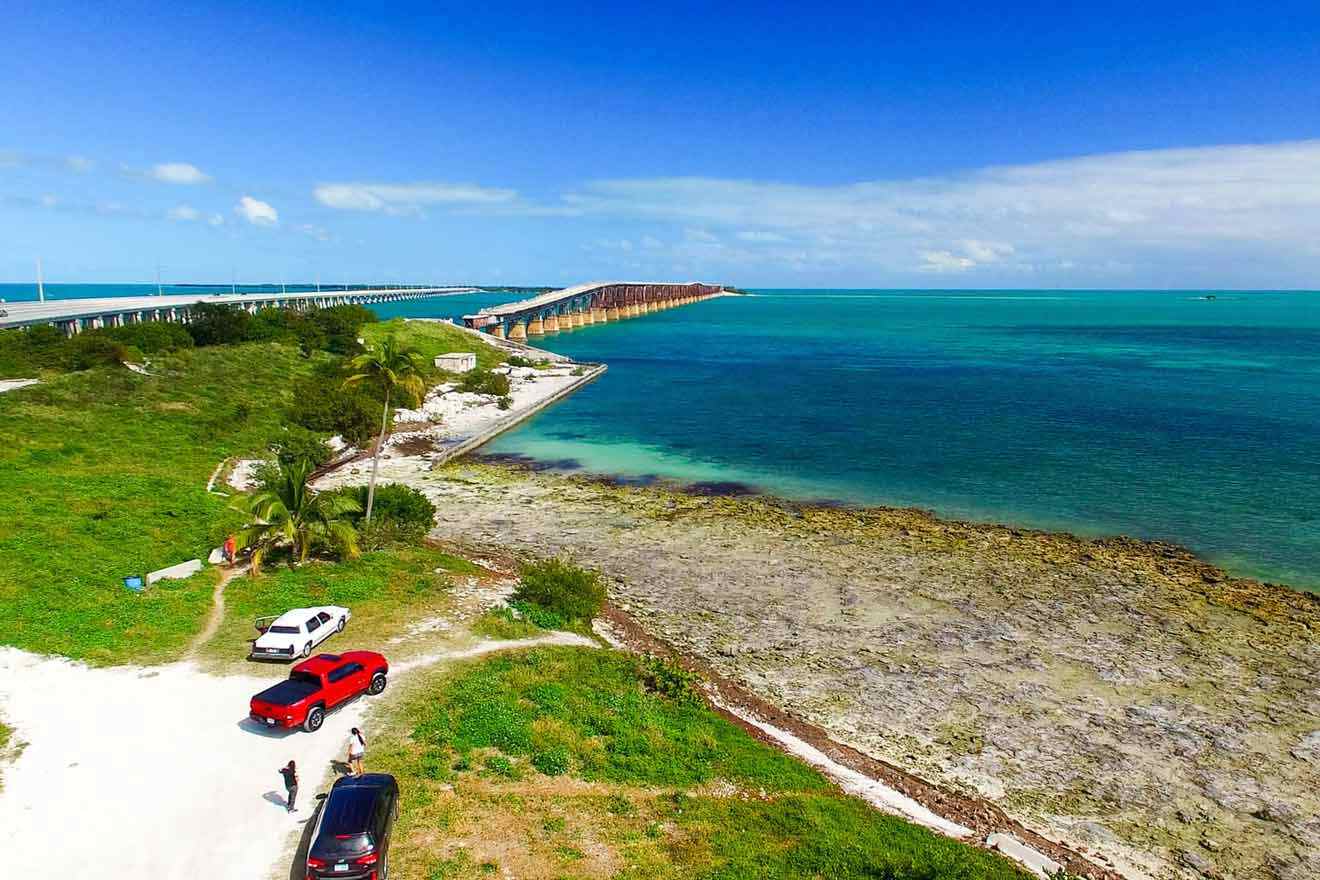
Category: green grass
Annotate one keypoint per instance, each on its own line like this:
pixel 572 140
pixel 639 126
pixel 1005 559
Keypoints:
pixel 432 338
pixel 103 475
pixel 559 762
pixel 500 623
pixel 385 590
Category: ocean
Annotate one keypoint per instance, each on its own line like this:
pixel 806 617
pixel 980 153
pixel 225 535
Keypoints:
pixel 1181 416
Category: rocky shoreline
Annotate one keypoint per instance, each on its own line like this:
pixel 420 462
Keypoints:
pixel 1120 696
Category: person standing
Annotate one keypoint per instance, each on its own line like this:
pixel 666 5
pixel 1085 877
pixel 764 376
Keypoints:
pixel 290 774
pixel 357 748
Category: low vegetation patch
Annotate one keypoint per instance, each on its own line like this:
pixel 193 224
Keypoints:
pixel 572 762
pixel 485 382
pixel 554 593
pixel 433 338
pixel 385 590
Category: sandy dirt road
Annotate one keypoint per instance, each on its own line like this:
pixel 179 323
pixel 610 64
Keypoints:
pixel 133 772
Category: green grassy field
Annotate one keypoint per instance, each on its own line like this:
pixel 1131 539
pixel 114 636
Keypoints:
pixel 385 590
pixel 103 474
pixel 559 763
pixel 432 338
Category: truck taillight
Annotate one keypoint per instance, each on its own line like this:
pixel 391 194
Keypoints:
pixel 315 863
pixel 370 858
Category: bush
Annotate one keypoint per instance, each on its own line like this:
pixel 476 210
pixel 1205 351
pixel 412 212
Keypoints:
pixel 301 444
pixel 553 762
pixel 542 618
pixel 505 402
pixel 398 502
pixel 95 348
pixel 668 679
pixel 577 594
pixel 152 337
pixel 383 532
pixel 211 324
pixel 485 382
pixel 322 404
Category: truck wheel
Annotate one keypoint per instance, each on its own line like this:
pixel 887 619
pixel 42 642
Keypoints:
pixel 377 684
pixel 340 628
pixel 307 650
pixel 315 718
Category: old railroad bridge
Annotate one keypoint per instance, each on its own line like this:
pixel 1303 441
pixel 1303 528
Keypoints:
pixel 593 303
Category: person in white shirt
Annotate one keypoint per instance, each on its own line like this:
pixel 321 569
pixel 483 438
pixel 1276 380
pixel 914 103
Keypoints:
pixel 357 747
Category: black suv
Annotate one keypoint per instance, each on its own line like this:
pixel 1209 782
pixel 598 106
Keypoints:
pixel 352 837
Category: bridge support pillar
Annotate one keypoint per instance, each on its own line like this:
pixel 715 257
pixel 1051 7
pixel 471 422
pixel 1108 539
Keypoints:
pixel 551 324
pixel 588 315
pixel 576 319
pixel 518 331
pixel 535 327
pixel 598 315
pixel 497 331
pixel 612 313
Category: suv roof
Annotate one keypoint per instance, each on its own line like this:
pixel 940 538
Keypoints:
pixel 352 798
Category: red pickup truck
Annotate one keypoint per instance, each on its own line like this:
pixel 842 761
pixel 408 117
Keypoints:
pixel 317 685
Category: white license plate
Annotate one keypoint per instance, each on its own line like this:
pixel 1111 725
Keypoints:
pixel 341 867
pixel 270 722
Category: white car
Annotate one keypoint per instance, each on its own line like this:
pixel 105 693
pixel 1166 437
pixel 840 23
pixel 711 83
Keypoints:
pixel 295 633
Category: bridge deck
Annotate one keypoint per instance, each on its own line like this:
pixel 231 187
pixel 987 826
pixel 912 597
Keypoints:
pixel 54 311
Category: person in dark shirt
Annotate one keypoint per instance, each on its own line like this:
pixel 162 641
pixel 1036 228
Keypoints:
pixel 290 774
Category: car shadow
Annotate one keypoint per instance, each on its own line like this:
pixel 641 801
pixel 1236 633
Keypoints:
pixel 250 726
pixel 298 870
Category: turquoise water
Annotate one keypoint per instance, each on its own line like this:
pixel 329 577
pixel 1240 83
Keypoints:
pixel 1160 415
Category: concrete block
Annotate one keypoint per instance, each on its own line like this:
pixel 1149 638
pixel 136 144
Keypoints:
pixel 458 362
pixel 175 572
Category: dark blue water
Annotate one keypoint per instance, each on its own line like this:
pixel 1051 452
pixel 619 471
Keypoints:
pixel 1161 415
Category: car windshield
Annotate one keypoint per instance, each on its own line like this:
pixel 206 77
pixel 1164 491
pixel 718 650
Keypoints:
pixel 289 630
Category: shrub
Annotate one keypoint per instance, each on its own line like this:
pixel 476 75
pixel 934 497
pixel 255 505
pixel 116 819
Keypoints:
pixel 152 337
pixel 95 348
pixel 383 532
pixel 301 444
pixel 552 762
pixel 501 766
pixel 577 594
pixel 667 678
pixel 485 382
pixel 321 403
pixel 339 326
pixel 211 324
pixel 505 402
pixel 398 502
pixel 542 618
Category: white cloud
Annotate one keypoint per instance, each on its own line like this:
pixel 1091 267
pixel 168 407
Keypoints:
pixel 49 201
pixel 316 232
pixel 1165 213
pixel 184 213
pixel 178 172
pixel 702 236
pixel 216 220
pixel 409 198
pixel 256 212
pixel 758 235
pixel 79 164
pixel 944 261
pixel 651 243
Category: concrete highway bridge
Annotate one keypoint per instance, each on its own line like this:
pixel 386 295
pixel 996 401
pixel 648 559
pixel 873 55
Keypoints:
pixel 75 315
pixel 593 303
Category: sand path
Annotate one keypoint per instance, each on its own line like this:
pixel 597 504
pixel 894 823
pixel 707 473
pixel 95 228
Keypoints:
pixel 133 772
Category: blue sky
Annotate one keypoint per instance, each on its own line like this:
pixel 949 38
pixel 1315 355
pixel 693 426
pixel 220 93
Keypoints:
pixel 933 145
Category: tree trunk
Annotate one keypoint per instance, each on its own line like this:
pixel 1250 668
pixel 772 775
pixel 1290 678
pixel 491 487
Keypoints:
pixel 375 459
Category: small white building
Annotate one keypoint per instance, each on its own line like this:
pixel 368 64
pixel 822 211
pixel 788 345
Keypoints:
pixel 458 362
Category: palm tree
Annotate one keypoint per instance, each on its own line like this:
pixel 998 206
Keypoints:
pixel 286 512
pixel 391 366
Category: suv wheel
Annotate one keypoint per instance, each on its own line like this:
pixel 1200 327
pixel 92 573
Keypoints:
pixel 307 650
pixel 377 684
pixel 315 718
pixel 385 866
pixel 340 628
